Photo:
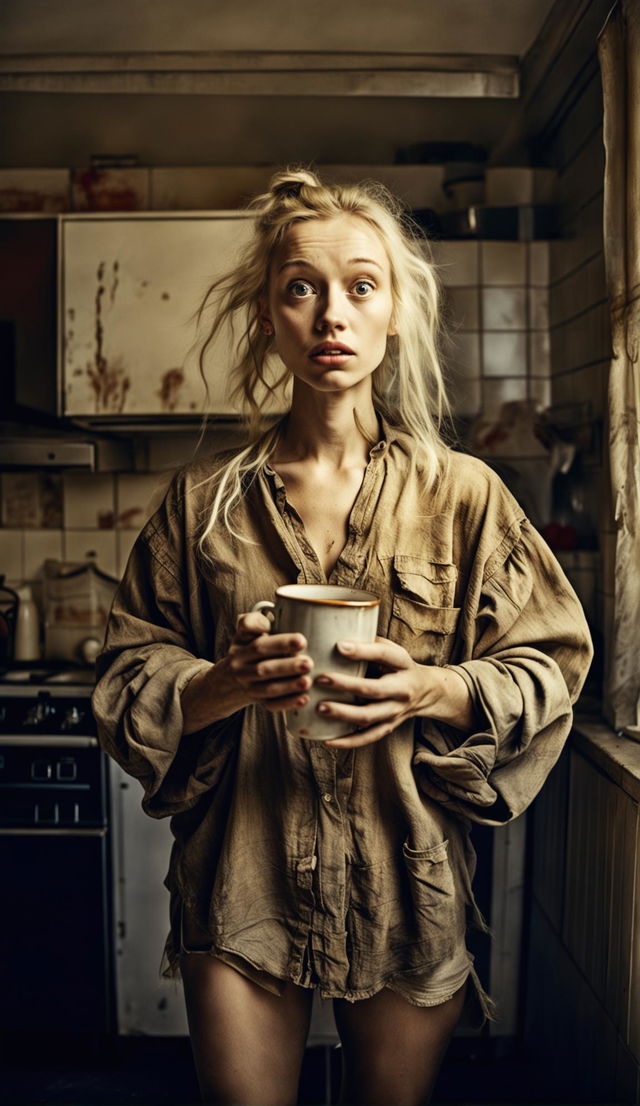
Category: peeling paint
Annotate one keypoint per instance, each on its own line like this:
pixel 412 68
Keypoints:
pixel 169 390
pixel 105 190
pixel 109 381
pixel 114 282
pixel 19 199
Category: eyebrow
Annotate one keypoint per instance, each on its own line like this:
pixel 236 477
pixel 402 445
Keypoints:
pixel 351 261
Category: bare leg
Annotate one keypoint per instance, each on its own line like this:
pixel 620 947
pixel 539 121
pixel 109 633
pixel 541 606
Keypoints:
pixel 248 1044
pixel 392 1050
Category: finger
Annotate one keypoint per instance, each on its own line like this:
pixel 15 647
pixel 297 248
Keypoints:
pixel 278 689
pixel 280 667
pixel 360 716
pixel 269 645
pixel 250 625
pixel 385 687
pixel 289 702
pixel 382 651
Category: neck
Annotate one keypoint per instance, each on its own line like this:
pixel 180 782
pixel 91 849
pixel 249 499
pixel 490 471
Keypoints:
pixel 334 428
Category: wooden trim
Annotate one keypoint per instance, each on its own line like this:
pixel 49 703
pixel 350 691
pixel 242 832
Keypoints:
pixel 232 73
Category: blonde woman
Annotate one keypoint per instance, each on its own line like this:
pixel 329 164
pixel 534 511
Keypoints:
pixel 346 865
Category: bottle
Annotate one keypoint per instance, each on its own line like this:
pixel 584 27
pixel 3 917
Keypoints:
pixel 27 629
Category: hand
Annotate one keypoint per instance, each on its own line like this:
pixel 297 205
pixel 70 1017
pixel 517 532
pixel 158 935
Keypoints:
pixel 406 689
pixel 271 669
pixel 260 667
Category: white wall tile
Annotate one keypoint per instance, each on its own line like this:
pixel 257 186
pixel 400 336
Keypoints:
pixel 11 545
pixel 540 390
pixel 503 263
pixel 465 396
pixel 538 308
pixel 539 353
pixel 463 308
pixel 504 309
pixel 504 353
pixel 457 262
pixel 462 355
pixel 81 545
pixel 137 496
pixel 88 501
pixel 20 499
pixel 502 390
pixel 539 264
pixel 39 546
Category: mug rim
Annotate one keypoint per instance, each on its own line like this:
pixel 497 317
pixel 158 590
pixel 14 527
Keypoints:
pixel 366 598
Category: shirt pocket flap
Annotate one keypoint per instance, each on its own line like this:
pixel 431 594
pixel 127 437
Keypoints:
pixel 435 620
pixel 429 582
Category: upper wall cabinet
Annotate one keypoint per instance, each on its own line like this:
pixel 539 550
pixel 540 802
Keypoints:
pixel 130 289
pixel 98 316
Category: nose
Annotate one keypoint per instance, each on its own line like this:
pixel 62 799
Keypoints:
pixel 331 315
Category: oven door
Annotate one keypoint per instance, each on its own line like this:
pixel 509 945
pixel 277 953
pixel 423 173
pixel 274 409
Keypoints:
pixel 55 964
pixel 56 970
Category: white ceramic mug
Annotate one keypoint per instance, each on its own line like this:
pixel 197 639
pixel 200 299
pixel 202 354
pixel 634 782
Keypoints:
pixel 325 614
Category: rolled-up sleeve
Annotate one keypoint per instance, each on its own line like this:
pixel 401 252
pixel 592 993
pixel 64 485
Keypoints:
pixel 149 656
pixel 524 667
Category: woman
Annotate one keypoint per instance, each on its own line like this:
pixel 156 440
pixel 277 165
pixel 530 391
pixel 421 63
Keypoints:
pixel 343 865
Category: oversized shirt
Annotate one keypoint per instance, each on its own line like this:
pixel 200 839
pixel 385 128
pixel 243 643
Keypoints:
pixel 344 869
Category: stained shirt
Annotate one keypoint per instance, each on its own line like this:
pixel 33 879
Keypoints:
pixel 344 869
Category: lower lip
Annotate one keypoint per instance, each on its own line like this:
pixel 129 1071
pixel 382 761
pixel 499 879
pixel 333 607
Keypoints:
pixel 331 358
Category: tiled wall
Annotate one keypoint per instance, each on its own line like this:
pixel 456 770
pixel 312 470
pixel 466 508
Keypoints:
pixel 583 966
pixel 497 311
pixel 72 516
pixel 579 327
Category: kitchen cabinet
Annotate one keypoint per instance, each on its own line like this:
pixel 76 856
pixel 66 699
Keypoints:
pixel 130 289
pixel 98 315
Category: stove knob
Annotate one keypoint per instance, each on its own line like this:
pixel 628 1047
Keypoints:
pixel 73 717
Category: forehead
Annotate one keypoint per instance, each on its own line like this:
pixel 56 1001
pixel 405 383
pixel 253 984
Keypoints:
pixel 343 238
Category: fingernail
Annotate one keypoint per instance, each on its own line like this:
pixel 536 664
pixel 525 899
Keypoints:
pixel 323 708
pixel 323 681
pixel 346 646
pixel 302 701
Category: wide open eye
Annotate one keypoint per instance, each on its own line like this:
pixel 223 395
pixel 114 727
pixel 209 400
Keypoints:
pixel 300 288
pixel 363 288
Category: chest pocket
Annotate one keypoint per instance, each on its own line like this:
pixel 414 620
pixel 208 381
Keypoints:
pixel 423 618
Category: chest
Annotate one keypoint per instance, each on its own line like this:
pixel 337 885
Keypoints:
pixel 324 503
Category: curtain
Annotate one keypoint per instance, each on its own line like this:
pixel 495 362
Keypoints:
pixel 619 52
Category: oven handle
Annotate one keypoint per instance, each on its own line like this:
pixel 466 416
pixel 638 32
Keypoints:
pixel 26 831
pixel 43 740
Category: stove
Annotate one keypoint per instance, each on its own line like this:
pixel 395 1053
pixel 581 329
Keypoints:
pixel 54 854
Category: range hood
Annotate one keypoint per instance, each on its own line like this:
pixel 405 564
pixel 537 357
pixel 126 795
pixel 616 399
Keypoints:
pixel 26 448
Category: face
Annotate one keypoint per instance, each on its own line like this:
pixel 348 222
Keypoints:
pixel 329 302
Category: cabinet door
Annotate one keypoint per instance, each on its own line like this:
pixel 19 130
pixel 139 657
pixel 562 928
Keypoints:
pixel 131 289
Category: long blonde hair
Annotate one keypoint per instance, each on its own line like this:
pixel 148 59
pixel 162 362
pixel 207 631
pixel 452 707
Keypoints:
pixel 408 385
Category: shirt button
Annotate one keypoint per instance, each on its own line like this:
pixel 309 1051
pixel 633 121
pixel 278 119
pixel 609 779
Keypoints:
pixel 327 797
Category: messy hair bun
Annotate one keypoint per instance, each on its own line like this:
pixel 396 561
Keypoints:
pixel 408 386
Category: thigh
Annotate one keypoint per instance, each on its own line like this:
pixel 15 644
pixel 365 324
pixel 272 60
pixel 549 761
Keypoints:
pixel 248 1044
pixel 392 1050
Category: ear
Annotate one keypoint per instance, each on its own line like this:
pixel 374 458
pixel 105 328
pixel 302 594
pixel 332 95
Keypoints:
pixel 264 317
pixel 393 330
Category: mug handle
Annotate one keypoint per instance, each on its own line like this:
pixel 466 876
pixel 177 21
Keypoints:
pixel 265 605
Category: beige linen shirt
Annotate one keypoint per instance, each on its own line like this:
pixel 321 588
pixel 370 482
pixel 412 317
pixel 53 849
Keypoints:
pixel 343 869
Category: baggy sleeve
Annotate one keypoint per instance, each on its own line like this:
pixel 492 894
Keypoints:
pixel 149 655
pixel 528 659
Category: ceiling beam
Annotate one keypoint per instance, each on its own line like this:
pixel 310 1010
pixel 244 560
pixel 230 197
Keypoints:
pixel 233 73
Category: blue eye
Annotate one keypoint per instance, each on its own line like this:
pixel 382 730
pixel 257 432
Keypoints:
pixel 363 288
pixel 300 288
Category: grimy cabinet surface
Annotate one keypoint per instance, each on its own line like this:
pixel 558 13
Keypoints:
pixel 131 287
